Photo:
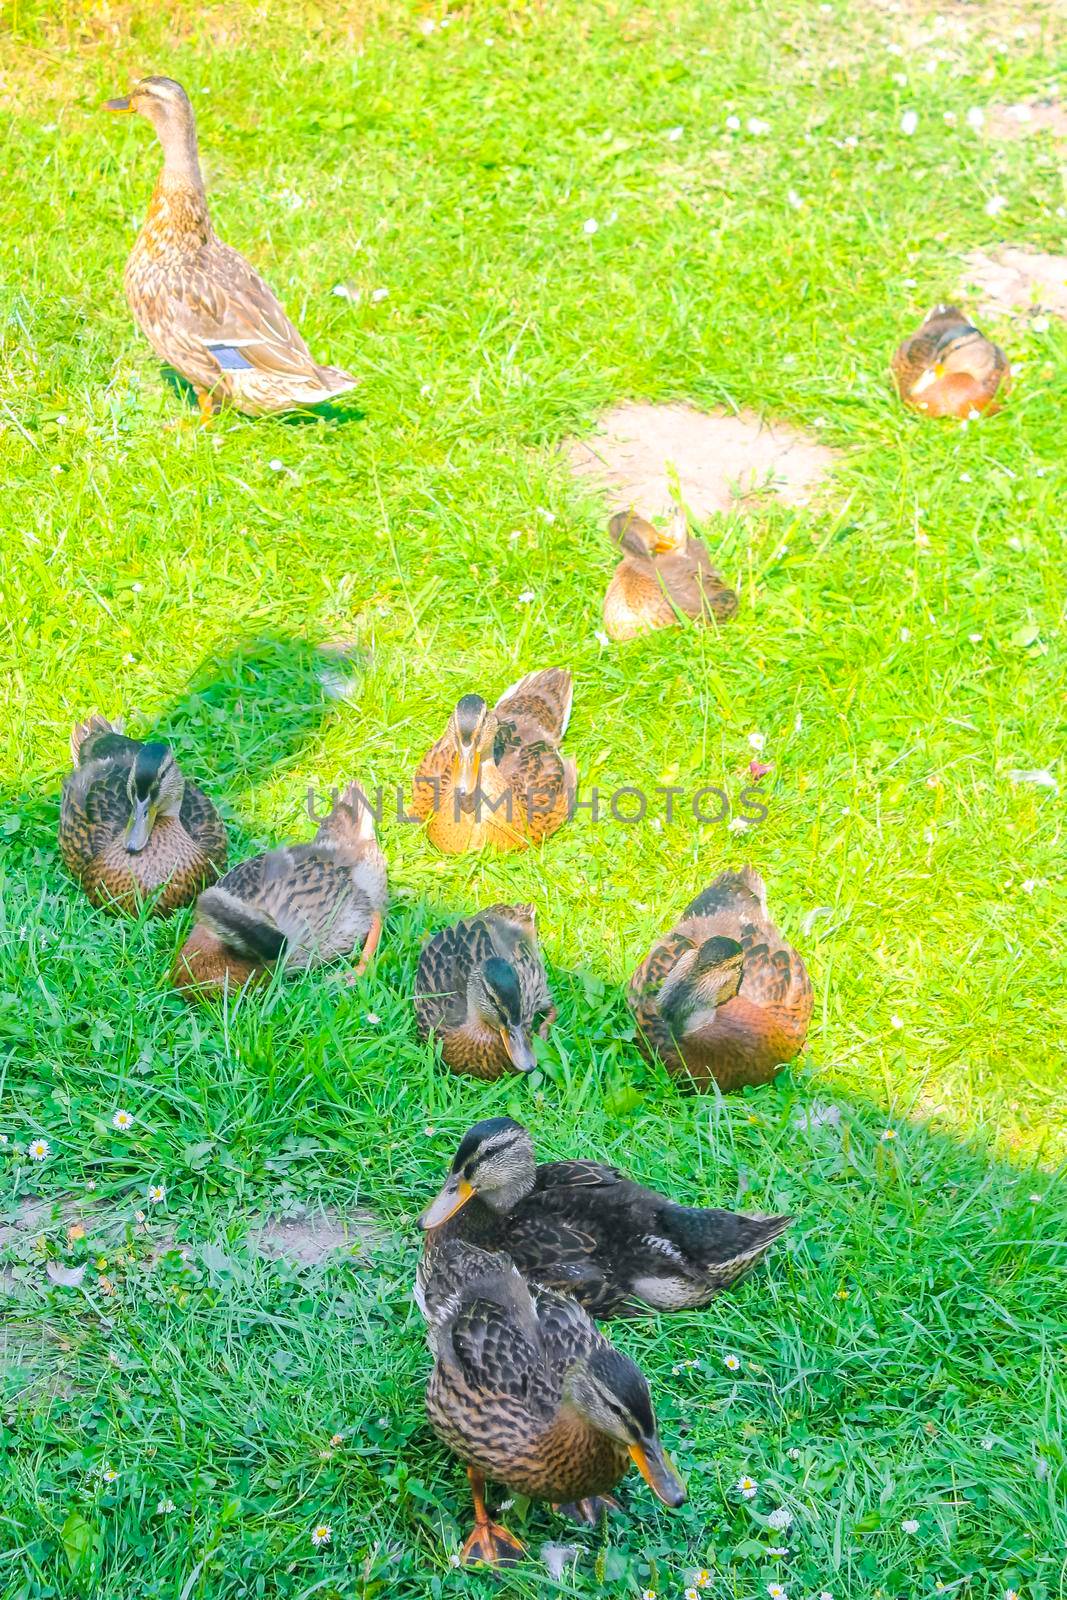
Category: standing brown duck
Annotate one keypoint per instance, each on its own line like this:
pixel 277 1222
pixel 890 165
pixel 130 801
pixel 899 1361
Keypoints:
pixel 482 988
pixel 949 369
pixel 526 1390
pixel 496 776
pixel 296 907
pixel 131 827
pixel 663 572
pixel 722 997
pixel 200 305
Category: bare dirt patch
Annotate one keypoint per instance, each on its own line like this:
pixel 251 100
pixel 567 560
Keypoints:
pixel 1028 117
pixel 718 457
pixel 309 1240
pixel 1019 282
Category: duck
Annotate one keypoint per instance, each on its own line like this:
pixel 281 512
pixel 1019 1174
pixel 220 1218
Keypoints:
pixel 296 907
pixel 204 310
pixel 949 369
pixel 482 988
pixel 664 572
pixel 496 776
pixel 722 997
pixel 584 1229
pixel 132 828
pixel 527 1391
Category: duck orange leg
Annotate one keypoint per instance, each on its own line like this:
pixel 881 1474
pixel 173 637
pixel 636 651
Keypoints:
pixel 489 1542
pixel 207 407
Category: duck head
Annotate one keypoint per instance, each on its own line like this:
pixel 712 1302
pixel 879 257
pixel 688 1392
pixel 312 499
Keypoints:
pixel 495 1161
pixel 609 1393
pixel 154 789
pixel 702 978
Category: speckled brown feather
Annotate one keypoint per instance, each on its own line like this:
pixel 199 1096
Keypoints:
pixel 949 368
pixel 445 965
pixel 183 853
pixel 648 590
pixel 763 1026
pixel 495 1394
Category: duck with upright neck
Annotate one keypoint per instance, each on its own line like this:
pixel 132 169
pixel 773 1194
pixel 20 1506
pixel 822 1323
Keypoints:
pixel 202 308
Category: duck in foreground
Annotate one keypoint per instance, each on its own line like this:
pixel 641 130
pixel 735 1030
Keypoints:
pixel 297 907
pixel 496 776
pixel 131 827
pixel 526 1391
pixel 663 572
pixel 584 1229
pixel 482 986
pixel 722 997
pixel 200 305
pixel 949 369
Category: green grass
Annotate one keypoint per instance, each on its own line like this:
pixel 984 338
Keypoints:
pixel 899 1355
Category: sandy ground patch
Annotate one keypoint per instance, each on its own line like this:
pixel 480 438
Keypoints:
pixel 1014 281
pixel 1027 117
pixel 309 1240
pixel 718 457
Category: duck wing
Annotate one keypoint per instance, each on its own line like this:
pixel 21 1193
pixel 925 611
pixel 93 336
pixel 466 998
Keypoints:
pixel 444 968
pixel 221 308
pixel 693 584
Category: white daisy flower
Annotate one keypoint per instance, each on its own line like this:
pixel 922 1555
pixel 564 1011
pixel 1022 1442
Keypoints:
pixel 322 1534
pixel 674 134
pixel 734 124
pixel 276 465
pixel 776 1592
pixel 601 638
pixel 108 1473
pixel 648 1594
pixel 908 123
pixel 995 205
pixel 378 295
pixel 590 225
pixel 165 1507
pixel 909 1525
pixel 777 1550
pixel 793 1453
pixel 757 741
pixel 896 1021
pixel 691 1594
pixel 373 1018
pixel 975 117
pixel 1011 1594
pixel 157 1193
pixel 825 1595
pixel 527 596
pixel 747 1488
pixel 731 1363
pixel 737 825
pixel 757 126
pixel 887 1134
pixel 123 1121
pixel 780 1518
pixel 1039 324
pixel 39 1150
pixel 703 1579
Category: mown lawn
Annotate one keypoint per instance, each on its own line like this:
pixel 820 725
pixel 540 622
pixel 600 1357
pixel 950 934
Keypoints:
pixel 900 647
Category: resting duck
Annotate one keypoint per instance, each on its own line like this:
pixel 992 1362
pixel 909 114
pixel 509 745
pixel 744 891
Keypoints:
pixel 585 1230
pixel 949 369
pixel 482 987
pixel 131 827
pixel 497 777
pixel 722 996
pixel 663 572
pixel 526 1391
pixel 200 305
pixel 297 907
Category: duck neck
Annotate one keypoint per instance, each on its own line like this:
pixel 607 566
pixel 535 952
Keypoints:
pixel 179 192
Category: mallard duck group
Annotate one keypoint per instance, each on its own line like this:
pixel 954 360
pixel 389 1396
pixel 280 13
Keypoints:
pixel 520 1258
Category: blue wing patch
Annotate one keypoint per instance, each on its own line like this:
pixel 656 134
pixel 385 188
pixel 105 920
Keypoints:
pixel 229 358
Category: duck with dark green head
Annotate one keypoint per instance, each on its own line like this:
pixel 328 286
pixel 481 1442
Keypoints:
pixel 482 989
pixel 132 828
